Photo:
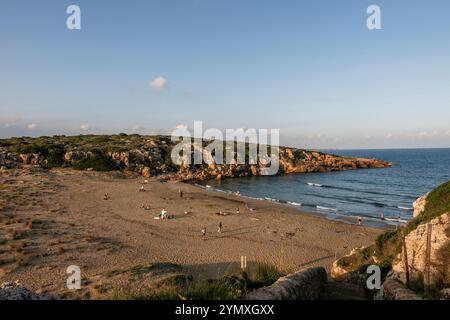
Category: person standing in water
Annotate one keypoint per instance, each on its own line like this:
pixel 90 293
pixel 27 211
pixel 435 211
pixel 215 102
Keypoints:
pixel 359 220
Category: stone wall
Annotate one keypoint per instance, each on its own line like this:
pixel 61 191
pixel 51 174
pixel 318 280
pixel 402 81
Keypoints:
pixel 304 285
pixel 395 290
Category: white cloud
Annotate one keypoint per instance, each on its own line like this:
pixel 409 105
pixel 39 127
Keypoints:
pixel 32 126
pixel 159 83
pixel 85 127
pixel 181 127
pixel 426 134
pixel 137 127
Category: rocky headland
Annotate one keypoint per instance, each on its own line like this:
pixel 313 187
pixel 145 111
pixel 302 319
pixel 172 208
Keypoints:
pixel 151 156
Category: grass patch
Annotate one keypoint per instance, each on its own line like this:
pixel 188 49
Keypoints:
pixel 143 294
pixel 265 274
pixel 227 288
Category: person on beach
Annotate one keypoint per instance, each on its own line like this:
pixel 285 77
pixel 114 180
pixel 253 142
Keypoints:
pixel 220 227
pixel 359 220
pixel 106 196
pixel 237 211
pixel 204 233
pixel 141 189
pixel 180 192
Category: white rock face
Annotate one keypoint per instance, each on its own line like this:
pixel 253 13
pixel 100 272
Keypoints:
pixel 419 205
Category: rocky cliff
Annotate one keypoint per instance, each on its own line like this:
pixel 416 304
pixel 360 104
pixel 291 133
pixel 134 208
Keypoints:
pixel 151 156
pixel 427 248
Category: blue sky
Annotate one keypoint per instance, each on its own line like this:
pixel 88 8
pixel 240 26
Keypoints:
pixel 310 68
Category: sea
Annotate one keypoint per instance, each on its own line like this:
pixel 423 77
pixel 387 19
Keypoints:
pixel 379 196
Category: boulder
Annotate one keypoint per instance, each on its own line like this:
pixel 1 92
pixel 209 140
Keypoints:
pixel 15 291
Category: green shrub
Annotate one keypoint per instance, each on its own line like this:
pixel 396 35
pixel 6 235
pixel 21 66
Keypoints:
pixel 437 203
pixel 55 156
pixel 227 288
pixel 98 162
pixel 32 148
pixel 389 237
pixel 266 274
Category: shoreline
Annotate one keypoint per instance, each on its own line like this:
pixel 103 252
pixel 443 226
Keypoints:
pixel 387 224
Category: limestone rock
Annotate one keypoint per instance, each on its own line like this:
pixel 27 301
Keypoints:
pixel 15 291
pixel 439 255
pixel 419 205
pixel 146 172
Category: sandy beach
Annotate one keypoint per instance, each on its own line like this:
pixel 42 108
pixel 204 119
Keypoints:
pixel 52 219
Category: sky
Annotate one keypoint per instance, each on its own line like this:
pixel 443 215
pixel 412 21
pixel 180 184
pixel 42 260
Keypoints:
pixel 311 69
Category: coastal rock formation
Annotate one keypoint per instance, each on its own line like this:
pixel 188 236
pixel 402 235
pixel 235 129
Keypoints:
pixel 305 285
pixel 343 268
pixel 15 291
pixel 73 156
pixel 424 254
pixel 8 160
pixel 419 205
pixel 439 253
pixel 151 155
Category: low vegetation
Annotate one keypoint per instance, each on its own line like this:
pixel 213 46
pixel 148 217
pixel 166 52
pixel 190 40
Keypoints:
pixel 438 202
pixel 98 162
pixel 230 287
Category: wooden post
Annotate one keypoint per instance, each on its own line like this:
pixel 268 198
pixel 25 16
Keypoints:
pixel 405 258
pixel 427 279
pixel 244 263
